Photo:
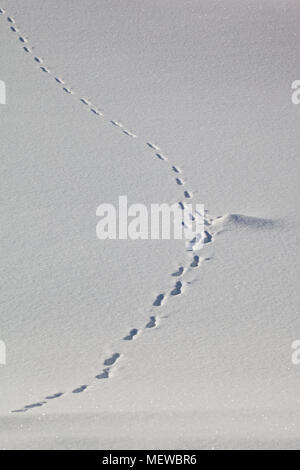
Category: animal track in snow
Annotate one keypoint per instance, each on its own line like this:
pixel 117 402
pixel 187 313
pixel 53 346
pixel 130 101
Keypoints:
pixel 80 389
pixel 59 80
pixel 95 111
pixel 151 323
pixel 131 335
pixel 67 90
pixel 177 288
pixel 208 237
pixel 28 407
pixel 152 146
pixel 160 156
pixel 35 405
pixel 158 301
pixel 104 374
pixel 175 169
pixel 130 134
pixel 112 360
pixel 116 123
pixel 84 101
pixel 55 395
pixel 179 272
pixel 195 262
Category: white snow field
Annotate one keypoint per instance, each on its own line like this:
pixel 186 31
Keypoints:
pixel 209 83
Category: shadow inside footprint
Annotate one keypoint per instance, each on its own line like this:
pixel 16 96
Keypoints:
pixel 56 395
pixel 151 323
pixel 35 405
pixel 160 156
pixel 208 237
pixel 195 263
pixel 111 360
pixel 132 334
pixel 178 273
pixel 104 374
pixel 157 302
pixel 80 389
pixel 177 288
pixel 152 146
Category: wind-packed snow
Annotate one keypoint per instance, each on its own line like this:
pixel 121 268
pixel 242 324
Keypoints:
pixel 145 343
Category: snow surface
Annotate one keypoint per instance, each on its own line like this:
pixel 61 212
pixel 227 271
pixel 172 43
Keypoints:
pixel 208 83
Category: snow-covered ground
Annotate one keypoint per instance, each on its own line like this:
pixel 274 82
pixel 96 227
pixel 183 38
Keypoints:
pixel 209 83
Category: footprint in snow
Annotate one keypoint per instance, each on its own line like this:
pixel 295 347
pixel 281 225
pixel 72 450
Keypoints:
pixel 104 374
pixel 152 146
pixel 35 405
pixel 195 262
pixel 158 301
pixel 55 395
pixel 128 133
pixel 80 389
pixel 84 101
pixel 95 111
pixel 151 323
pixel 116 123
pixel 131 335
pixel 179 272
pixel 59 80
pixel 177 288
pixel 160 156
pixel 175 169
pixel 112 360
pixel 67 90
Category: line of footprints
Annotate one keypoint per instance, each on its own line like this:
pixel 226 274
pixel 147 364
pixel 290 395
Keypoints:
pixel 179 285
pixel 111 361
pixel 86 102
